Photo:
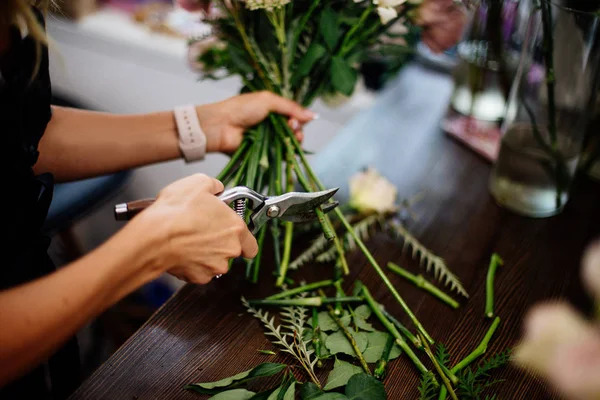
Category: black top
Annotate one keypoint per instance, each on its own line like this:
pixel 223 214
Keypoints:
pixel 24 114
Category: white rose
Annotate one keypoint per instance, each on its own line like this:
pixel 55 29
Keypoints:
pixel 371 192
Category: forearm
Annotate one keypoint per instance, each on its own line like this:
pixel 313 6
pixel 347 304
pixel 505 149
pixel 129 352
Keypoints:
pixel 40 316
pixel 79 144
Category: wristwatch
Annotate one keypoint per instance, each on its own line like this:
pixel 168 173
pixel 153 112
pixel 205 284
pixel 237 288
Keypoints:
pixel 192 140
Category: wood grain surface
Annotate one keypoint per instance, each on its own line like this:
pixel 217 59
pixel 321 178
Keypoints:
pixel 202 333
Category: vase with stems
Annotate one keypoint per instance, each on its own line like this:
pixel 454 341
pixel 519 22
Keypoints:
pixel 549 107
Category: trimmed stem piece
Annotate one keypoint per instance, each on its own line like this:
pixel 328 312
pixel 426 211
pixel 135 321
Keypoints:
pixel 408 334
pixel 439 370
pixel 420 282
pixel 489 284
pixel 300 289
pixel 376 308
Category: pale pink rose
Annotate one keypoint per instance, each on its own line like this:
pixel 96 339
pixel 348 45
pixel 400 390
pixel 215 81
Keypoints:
pixel 442 21
pixel 591 270
pixel 371 192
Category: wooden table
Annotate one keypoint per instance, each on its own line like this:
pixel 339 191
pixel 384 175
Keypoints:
pixel 201 334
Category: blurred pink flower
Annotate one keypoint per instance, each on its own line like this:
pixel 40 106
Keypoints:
pixel 193 5
pixel 561 345
pixel 197 48
pixel 442 21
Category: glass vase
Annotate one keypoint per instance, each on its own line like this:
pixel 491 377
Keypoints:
pixel 487 62
pixel 548 111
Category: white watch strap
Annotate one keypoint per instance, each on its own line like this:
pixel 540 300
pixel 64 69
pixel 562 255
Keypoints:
pixel 192 140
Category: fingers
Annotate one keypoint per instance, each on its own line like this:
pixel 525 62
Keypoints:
pixel 287 107
pixel 249 245
pixel 211 185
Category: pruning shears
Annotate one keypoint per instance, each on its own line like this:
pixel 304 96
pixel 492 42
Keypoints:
pixel 292 206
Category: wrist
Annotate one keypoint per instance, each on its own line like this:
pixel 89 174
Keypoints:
pixel 208 118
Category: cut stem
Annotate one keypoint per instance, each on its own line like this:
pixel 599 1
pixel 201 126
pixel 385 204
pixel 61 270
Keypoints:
pixel 408 334
pixel 478 352
pixel 489 284
pixel 381 367
pixel 376 308
pixel 420 282
pixel 300 289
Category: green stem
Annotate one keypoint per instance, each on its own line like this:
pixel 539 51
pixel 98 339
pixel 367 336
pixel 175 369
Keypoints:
pixel 478 352
pixel 257 260
pixel 408 334
pixel 306 302
pixel 420 282
pixel 358 25
pixel 480 349
pixel 350 338
pixel 385 279
pixel 239 153
pixel 316 340
pixel 489 284
pixel 301 289
pixel 376 308
pixel 381 367
pixel 289 228
pixel 339 292
pixel 439 370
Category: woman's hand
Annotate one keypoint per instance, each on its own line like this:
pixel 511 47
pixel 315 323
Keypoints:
pixel 224 123
pixel 199 233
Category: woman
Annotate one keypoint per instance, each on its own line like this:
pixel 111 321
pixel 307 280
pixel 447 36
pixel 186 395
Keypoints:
pixel 188 232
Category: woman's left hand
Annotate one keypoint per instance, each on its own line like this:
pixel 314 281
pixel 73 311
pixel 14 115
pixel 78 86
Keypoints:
pixel 224 123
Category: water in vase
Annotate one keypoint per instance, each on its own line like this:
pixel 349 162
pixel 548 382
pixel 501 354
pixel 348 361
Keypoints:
pixel 524 179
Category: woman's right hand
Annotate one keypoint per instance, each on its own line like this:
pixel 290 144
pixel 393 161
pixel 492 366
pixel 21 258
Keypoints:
pixel 199 233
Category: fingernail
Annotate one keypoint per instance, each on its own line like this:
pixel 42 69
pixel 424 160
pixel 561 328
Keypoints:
pixel 311 114
pixel 294 124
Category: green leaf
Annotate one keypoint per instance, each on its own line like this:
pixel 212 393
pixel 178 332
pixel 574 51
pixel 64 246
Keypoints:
pixel 332 396
pixel 235 394
pixel 267 352
pixel 340 374
pixel 330 28
pixel 338 343
pixel 290 394
pixel 343 77
pixel 326 323
pixel 263 395
pixel 375 344
pixel 274 395
pixel 361 315
pixel 365 387
pixel 310 391
pixel 262 370
pixel 238 58
pixel 314 53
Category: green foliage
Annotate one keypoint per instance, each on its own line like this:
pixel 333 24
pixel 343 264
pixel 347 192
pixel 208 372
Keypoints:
pixel 235 394
pixel 261 371
pixel 376 342
pixel 337 342
pixel 442 355
pixel 474 381
pixel 428 388
pixel 340 374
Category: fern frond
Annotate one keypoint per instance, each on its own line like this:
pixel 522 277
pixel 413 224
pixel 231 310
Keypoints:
pixel 428 388
pixel 442 355
pixel 309 254
pixel 428 260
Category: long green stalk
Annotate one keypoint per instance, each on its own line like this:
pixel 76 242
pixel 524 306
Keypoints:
pixel 408 334
pixel 301 289
pixel 289 230
pixel 257 260
pixel 422 283
pixel 489 284
pixel 239 153
pixel 376 308
pixel 316 339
